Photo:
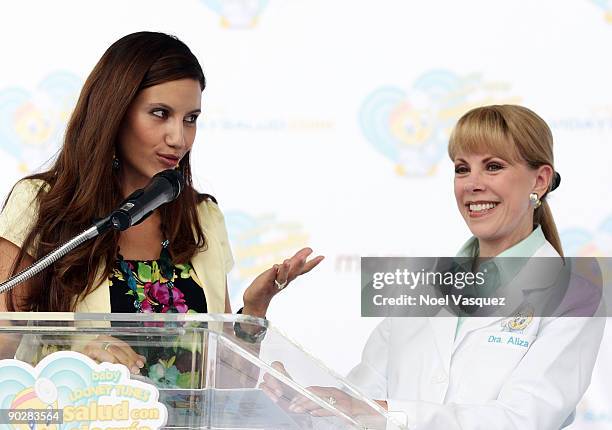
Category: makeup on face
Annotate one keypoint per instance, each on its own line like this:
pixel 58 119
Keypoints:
pixel 159 128
pixel 492 195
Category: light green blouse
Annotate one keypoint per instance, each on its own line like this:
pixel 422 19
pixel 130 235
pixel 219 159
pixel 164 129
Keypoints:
pixel 525 248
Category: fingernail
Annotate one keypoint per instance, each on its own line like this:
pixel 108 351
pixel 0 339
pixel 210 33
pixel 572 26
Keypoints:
pixel 140 364
pixel 135 370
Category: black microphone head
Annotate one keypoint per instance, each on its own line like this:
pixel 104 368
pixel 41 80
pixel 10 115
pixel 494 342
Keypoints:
pixel 175 178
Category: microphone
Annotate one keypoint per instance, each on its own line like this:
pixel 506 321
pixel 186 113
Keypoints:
pixel 163 188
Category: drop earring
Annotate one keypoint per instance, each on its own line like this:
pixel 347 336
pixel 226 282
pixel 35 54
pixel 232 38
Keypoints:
pixel 534 200
pixel 115 163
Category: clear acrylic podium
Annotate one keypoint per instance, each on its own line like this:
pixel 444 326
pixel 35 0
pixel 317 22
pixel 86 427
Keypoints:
pixel 212 371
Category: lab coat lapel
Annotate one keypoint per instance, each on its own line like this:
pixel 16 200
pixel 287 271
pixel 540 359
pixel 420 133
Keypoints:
pixel 471 324
pixel 516 291
pixel 515 298
pixel 444 325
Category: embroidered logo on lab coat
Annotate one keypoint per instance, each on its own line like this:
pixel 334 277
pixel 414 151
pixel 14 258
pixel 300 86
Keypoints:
pixel 520 321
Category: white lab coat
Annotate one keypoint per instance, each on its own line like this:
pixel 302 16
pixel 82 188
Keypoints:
pixel 470 383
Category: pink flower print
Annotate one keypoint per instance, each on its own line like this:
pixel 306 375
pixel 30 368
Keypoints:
pixel 159 294
pixel 156 292
pixel 178 299
pixel 146 306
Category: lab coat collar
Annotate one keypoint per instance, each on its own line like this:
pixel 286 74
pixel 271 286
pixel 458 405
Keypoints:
pixel 540 272
pixel 525 248
pixel 533 276
pixel 512 262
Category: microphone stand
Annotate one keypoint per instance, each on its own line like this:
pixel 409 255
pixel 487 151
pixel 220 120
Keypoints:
pixel 98 228
pixel 164 187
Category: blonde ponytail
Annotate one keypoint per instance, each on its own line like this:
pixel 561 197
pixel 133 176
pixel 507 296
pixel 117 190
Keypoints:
pixel 543 216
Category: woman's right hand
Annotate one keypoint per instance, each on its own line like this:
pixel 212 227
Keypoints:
pixel 292 401
pixel 274 388
pixel 112 350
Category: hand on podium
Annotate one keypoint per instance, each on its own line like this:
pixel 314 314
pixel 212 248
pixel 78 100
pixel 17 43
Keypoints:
pixel 295 402
pixel 112 350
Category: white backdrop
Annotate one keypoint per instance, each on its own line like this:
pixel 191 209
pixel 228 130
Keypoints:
pixel 325 124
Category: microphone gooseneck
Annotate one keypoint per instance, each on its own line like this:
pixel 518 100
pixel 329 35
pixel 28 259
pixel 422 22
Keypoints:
pixel 48 259
pixel 163 188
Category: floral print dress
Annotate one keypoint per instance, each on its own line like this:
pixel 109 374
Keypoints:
pixel 159 286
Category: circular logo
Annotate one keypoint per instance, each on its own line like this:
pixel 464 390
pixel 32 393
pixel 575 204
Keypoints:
pixel 521 320
pixel 411 128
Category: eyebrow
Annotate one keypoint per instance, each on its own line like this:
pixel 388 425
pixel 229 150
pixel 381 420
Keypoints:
pixel 165 106
pixel 486 160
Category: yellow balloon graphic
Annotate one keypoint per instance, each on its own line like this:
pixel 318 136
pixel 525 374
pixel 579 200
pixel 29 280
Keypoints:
pixel 402 115
pixel 31 125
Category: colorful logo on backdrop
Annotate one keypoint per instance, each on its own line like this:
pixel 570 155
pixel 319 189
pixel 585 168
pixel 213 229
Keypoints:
pixel 411 128
pixel 68 390
pixel 257 244
pixel 237 13
pixel 606 6
pixel 32 123
pixel 579 242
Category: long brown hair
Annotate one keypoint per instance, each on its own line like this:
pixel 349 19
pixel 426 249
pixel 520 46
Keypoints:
pixel 81 185
pixel 514 133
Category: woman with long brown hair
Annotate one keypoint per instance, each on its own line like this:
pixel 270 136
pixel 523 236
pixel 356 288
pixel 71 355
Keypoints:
pixel 136 116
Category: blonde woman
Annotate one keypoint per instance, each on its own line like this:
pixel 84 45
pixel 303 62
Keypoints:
pixel 444 372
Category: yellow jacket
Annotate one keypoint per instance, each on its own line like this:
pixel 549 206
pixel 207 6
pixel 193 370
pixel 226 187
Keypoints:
pixel 211 265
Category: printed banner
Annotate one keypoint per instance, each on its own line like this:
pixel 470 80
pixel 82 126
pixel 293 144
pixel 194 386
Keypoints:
pixel 68 390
